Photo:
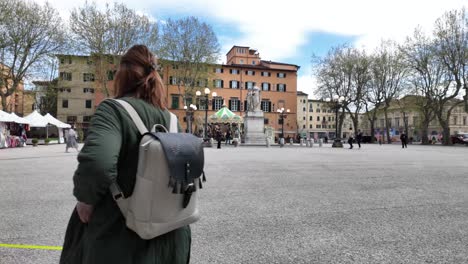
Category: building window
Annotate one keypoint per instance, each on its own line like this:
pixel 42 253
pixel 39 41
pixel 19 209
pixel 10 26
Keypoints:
pixel 88 103
pixel 175 101
pixel 234 71
pixel 110 59
pixel 66 59
pixel 175 66
pixel 234 105
pixel 64 103
pixel 110 75
pixel 464 120
pixel 217 103
pixel 455 120
pixel 253 62
pixel 250 72
pixel 311 109
pixel 266 106
pixel 266 74
pixel 303 126
pixel 397 122
pixel 265 86
pixel 281 75
pixel 329 119
pixel 318 118
pixel 304 118
pixel 218 83
pixel 172 80
pixel 66 76
pixel 87 119
pixel 310 118
pixel 318 110
pixel 249 85
pixel 241 61
pixel 318 126
pixel 88 77
pixel 218 70
pixel 281 87
pixel 303 109
pixel 88 90
pixel 71 119
pixel 266 121
pixel 89 61
pixel 234 84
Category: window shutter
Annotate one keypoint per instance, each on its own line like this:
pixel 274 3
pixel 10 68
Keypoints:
pixel 222 84
pixel 284 74
pixel 269 106
pixel 261 106
pixel 214 70
pixel 277 74
pixel 269 87
pixel 269 74
pixel 230 84
pixel 253 72
pixel 222 70
pixel 213 104
pixel 241 105
pixel 230 104
pixel 245 105
pixel 277 87
pixel 245 87
pixel 284 87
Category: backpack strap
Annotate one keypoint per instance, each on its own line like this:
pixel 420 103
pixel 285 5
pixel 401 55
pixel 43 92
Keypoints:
pixel 134 115
pixel 173 127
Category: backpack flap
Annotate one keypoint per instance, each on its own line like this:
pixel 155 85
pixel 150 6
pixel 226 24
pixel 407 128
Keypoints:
pixel 184 154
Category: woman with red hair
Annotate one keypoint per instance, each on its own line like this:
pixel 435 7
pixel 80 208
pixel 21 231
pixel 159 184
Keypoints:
pixel 97 232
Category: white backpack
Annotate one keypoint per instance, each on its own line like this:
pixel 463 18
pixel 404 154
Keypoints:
pixel 170 166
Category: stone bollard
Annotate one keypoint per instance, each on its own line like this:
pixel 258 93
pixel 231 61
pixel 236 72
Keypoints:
pixel 301 141
pixel 281 142
pixel 320 142
pixel 267 142
pixel 290 141
pixel 212 143
pixel 311 143
pixel 307 142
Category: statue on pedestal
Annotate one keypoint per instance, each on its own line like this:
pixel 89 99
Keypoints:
pixel 253 100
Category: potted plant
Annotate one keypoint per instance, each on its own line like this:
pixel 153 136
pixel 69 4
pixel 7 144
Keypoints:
pixel 46 141
pixel 34 142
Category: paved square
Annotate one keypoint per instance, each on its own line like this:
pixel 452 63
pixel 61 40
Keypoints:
pixel 379 204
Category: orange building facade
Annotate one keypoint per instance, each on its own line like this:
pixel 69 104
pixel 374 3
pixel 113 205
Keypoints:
pixel 243 71
pixel 79 95
pixel 15 101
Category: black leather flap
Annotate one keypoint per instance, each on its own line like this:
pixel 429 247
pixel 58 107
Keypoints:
pixel 182 149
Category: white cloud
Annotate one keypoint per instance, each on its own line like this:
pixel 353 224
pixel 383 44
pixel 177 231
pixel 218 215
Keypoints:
pixel 277 28
pixel 306 82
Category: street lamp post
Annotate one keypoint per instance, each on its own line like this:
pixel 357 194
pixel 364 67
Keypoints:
pixel 336 104
pixel 206 100
pixel 282 115
pixel 189 115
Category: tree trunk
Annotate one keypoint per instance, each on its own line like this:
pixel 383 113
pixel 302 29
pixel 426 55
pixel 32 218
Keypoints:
pixel 424 132
pixel 387 128
pixel 4 102
pixel 445 132
pixel 372 133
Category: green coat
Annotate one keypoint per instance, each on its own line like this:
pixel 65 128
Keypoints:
pixel 111 149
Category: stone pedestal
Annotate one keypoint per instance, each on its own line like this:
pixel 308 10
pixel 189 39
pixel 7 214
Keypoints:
pixel 254 128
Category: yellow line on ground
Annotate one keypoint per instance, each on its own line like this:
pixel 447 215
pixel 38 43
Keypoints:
pixel 30 246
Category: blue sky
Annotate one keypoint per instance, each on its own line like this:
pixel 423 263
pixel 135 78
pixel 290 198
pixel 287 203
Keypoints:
pixel 291 31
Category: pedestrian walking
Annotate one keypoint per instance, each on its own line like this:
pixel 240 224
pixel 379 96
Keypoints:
pixel 97 231
pixel 350 141
pixel 404 140
pixel 218 136
pixel 359 138
pixel 228 137
pixel 71 140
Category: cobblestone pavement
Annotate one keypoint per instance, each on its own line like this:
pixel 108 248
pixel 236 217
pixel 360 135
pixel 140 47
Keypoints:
pixel 378 204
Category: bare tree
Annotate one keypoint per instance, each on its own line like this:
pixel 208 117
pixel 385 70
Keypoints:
pixel 107 33
pixel 427 76
pixel 344 71
pixel 29 32
pixel 451 42
pixel 388 76
pixel 190 47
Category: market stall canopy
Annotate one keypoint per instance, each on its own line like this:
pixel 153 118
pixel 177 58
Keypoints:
pixel 36 120
pixel 19 120
pixel 53 121
pixel 224 115
pixel 6 117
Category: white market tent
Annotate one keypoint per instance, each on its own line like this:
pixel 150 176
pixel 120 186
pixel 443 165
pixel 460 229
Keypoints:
pixel 36 120
pixel 53 121
pixel 19 120
pixel 6 117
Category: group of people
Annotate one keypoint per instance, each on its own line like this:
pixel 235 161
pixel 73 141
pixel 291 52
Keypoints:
pixel 403 139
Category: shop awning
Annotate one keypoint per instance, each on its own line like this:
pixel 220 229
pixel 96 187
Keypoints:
pixel 53 121
pixel 6 117
pixel 19 120
pixel 36 120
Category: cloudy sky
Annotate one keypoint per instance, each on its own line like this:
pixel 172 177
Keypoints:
pixel 292 31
